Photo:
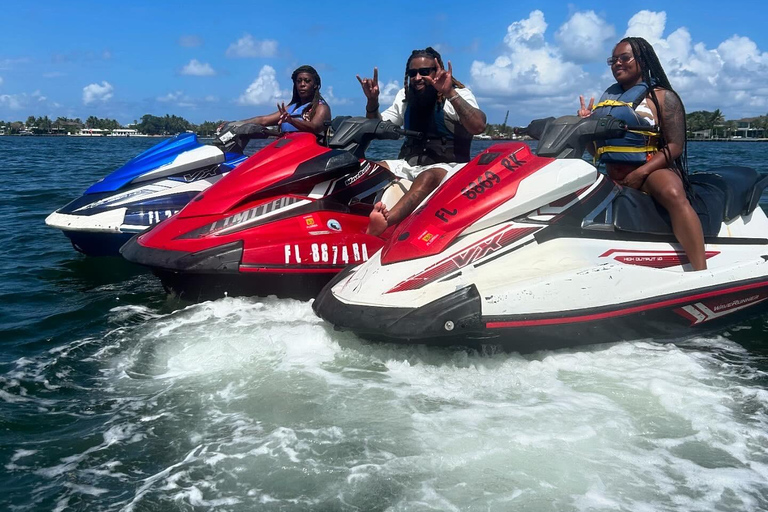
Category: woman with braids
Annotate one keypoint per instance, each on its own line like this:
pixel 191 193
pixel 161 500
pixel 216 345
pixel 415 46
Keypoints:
pixel 652 161
pixel 436 104
pixel 306 112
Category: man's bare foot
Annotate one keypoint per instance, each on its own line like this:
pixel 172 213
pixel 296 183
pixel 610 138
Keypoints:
pixel 378 220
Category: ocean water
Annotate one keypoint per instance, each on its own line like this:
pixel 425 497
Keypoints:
pixel 116 397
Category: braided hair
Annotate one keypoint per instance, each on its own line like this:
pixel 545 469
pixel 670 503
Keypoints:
pixel 431 53
pixel 654 76
pixel 296 99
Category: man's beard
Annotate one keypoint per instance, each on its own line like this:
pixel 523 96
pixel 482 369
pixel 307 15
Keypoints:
pixel 422 105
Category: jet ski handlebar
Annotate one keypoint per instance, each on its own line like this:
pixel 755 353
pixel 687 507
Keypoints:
pixel 234 136
pixel 569 136
pixel 387 130
pixel 355 134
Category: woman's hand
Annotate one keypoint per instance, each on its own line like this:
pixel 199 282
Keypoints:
pixel 635 179
pixel 285 117
pixel 585 111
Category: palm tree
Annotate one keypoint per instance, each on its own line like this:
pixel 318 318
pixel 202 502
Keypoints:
pixel 715 119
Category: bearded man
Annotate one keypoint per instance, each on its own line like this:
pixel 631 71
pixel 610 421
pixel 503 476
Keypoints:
pixel 444 110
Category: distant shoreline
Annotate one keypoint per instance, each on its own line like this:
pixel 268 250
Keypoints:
pixel 210 137
pixel 729 140
pixel 85 136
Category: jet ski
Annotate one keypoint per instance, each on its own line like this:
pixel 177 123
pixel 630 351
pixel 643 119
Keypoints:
pixel 283 223
pixel 150 188
pixel 535 251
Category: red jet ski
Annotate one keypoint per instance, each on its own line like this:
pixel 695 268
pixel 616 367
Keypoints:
pixel 283 223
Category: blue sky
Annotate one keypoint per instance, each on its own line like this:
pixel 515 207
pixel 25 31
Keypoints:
pixel 209 61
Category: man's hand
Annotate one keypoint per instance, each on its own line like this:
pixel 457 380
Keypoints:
pixel 443 81
pixel 370 85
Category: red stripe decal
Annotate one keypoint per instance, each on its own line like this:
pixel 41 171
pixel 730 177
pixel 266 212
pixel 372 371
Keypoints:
pixel 620 312
pixel 480 249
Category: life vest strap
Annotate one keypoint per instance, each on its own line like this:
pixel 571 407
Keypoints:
pixel 650 150
pixel 613 103
pixel 625 149
pixel 646 133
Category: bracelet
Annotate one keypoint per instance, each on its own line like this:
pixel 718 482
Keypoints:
pixel 375 109
pixel 452 98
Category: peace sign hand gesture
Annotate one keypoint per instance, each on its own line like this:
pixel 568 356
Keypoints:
pixel 585 111
pixel 285 117
pixel 370 85
pixel 443 81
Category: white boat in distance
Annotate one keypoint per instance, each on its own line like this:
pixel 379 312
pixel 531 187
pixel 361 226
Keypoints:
pixel 99 132
pixel 126 132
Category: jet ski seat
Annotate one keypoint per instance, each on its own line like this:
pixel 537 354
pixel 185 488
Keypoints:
pixel 740 186
pixel 395 191
pixel 721 194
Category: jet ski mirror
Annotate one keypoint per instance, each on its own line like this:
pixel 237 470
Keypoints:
pixel 535 128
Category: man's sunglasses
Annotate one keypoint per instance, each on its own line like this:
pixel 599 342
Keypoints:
pixel 421 71
pixel 623 58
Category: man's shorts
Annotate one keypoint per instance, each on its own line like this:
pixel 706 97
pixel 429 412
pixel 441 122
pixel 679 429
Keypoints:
pixel 401 169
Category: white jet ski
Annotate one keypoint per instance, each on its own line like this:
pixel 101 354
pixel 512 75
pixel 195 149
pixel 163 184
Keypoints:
pixel 541 251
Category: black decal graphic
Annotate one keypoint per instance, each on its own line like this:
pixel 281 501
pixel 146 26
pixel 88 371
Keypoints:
pixel 480 184
pixel 442 212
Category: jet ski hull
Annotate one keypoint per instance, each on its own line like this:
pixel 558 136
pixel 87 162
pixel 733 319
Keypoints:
pixel 218 272
pixel 145 191
pixel 457 320
pixel 96 243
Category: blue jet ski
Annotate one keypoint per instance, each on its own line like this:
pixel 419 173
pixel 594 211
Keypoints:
pixel 150 188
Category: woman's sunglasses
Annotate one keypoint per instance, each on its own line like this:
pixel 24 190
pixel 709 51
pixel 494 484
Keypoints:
pixel 421 71
pixel 623 58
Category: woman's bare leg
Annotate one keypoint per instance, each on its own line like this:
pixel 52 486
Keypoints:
pixel 666 187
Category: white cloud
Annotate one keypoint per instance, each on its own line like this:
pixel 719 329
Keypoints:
pixel 211 99
pixel 180 99
pixel 539 75
pixel 12 63
pixel 171 97
pixel 332 100
pixel 647 24
pixel 529 66
pixel 96 92
pixel 731 77
pixel 190 41
pixel 585 37
pixel 388 92
pixel 1 80
pixel 264 90
pixel 197 68
pixel 12 101
pixel 248 47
